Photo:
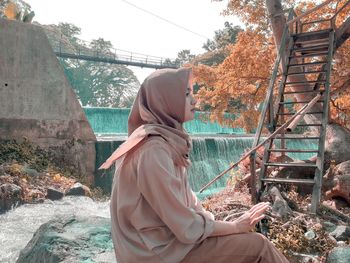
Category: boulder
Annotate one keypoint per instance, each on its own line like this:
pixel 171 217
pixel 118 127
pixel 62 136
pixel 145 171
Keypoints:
pixel 341 233
pixel 339 255
pixel 79 189
pixel 54 194
pixel 337 181
pixel 10 195
pixel 71 239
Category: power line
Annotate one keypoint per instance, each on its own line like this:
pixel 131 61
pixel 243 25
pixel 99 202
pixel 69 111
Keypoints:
pixel 164 19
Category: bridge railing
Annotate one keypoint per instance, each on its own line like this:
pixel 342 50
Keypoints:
pixel 85 50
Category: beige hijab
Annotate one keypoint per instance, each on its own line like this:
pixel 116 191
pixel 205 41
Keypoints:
pixel 159 109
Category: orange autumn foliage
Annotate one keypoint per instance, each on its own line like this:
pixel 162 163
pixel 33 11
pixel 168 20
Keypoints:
pixel 238 85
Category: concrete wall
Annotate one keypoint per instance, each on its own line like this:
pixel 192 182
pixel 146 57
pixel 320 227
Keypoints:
pixel 36 99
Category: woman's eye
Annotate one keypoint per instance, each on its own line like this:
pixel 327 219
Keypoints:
pixel 188 94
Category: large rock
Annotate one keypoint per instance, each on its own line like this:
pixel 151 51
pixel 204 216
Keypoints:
pixel 71 240
pixel 339 255
pixel 10 195
pixel 337 181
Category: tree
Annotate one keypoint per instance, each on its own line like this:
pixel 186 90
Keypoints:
pixel 16 10
pixel 223 37
pixel 95 84
pixel 246 71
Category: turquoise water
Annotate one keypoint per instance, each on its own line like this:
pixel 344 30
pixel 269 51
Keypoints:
pixel 209 157
pixel 215 147
pixel 106 121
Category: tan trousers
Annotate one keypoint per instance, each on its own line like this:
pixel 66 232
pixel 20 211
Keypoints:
pixel 239 248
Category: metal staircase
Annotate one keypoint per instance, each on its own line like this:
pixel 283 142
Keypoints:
pixel 304 66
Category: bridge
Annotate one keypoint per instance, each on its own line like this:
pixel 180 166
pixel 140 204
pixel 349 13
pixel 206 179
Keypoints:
pixel 112 55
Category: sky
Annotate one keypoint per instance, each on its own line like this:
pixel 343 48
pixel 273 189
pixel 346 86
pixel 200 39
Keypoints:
pixel 159 28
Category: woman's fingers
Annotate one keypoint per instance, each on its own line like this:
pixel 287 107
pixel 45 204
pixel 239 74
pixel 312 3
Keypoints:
pixel 256 220
pixel 259 206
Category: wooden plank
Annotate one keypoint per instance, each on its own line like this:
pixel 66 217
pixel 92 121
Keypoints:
pixel 311 165
pixel 308 64
pixel 293 150
pixel 289 181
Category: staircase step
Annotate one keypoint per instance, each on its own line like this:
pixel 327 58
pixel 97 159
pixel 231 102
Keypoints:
pixel 297 102
pixel 292 150
pixel 312 165
pixel 305 125
pixel 310 36
pixel 306 73
pixel 308 64
pixel 305 82
pixel 318 54
pixel 292 113
pixel 288 181
pixel 311 48
pixel 286 137
pixel 302 91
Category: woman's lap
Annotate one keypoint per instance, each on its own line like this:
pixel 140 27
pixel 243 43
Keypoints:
pixel 238 248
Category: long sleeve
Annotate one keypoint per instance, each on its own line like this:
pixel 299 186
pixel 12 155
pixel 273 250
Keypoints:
pixel 196 204
pixel 163 190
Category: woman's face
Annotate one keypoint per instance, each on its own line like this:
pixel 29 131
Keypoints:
pixel 190 103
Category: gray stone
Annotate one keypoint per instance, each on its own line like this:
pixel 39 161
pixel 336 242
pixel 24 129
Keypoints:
pixel 54 194
pixel 71 240
pixel 339 255
pixel 37 101
pixel 341 233
pixel 329 226
pixel 10 195
pixel 79 189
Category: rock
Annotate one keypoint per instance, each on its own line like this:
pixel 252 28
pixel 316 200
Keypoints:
pixel 310 235
pixel 337 181
pixel 329 226
pixel 71 239
pixel 303 258
pixel 10 195
pixel 280 206
pixel 79 189
pixel 54 194
pixel 339 255
pixel 31 172
pixel 341 233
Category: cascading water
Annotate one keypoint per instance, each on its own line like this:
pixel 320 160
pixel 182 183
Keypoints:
pixel 19 225
pixel 106 121
pixel 214 147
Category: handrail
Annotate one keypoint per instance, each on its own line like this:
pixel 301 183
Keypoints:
pixel 316 8
pixel 332 19
pixel 301 111
pixel 272 82
pixel 309 12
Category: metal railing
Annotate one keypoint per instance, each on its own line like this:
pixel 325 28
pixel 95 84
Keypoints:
pixel 85 50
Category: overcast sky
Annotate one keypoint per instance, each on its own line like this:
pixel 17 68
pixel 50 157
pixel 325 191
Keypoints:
pixel 139 25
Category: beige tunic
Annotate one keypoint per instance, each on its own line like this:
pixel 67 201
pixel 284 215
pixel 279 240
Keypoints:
pixel 155 215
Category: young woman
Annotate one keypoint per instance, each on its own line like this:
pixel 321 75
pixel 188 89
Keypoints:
pixel 155 215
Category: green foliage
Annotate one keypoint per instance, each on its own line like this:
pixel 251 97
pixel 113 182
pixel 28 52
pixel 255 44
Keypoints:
pixel 217 49
pixel 23 152
pixel 96 84
pixel 223 37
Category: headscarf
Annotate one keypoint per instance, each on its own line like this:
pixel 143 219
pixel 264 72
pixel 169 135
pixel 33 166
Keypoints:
pixel 159 109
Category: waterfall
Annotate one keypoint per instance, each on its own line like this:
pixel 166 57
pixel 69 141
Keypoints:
pixel 115 121
pixel 210 156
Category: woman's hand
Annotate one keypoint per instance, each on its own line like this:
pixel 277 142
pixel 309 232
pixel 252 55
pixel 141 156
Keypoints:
pixel 247 221
pixel 242 224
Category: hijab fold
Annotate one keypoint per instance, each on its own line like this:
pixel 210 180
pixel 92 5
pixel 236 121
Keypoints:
pixel 159 110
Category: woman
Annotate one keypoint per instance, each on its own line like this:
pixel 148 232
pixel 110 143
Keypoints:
pixel 155 215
